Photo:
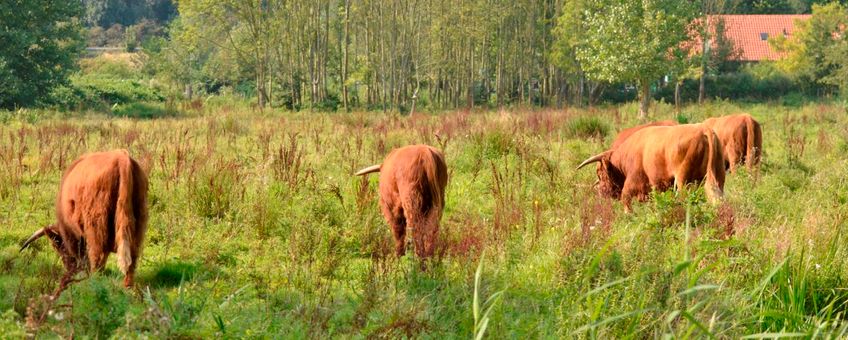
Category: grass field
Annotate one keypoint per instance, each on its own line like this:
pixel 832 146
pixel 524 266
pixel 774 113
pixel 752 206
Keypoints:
pixel 258 230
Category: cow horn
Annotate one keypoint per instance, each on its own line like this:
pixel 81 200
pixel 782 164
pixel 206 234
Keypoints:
pixel 593 159
pixel 34 237
pixel 368 170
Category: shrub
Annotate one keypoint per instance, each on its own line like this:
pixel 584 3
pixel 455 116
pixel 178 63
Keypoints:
pixel 751 83
pixel 144 110
pixel 588 127
pixel 115 90
pixel 99 306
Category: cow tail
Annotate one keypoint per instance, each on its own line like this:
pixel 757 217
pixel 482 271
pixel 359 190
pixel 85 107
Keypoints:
pixel 124 214
pixel 755 143
pixel 715 168
pixel 435 161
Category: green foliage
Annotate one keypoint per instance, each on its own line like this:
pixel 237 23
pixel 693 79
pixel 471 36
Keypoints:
pixel 10 327
pixel 116 91
pixel 628 41
pixel 99 306
pixel 480 310
pixel 758 82
pixel 588 127
pixel 817 49
pixel 106 13
pixel 144 110
pixel 40 45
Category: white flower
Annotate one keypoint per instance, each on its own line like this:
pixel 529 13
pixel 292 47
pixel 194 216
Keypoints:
pixel 818 266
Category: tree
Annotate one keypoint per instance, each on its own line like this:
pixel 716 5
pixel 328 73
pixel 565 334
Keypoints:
pixel 105 13
pixel 631 40
pixel 246 29
pixel 181 59
pixel 816 49
pixel 40 45
pixel 836 58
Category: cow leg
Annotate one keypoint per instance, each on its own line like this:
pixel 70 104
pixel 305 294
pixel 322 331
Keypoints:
pixel 733 160
pixel 394 217
pixel 96 256
pixel 129 276
pixel 430 230
pixel 634 186
pixel 413 208
pixel 95 239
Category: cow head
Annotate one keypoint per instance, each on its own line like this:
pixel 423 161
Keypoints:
pixel 55 239
pixel 610 179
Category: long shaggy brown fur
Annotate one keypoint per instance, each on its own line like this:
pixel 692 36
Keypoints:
pixel 412 194
pixel 742 138
pixel 101 209
pixel 655 158
pixel 626 133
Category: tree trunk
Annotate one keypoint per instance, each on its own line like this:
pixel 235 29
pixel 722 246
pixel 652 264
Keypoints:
pixel 414 100
pixel 345 53
pixel 677 95
pixel 581 85
pixel 645 98
pixel 189 91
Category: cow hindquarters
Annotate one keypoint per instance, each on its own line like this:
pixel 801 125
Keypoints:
pixel 714 181
pixel 754 143
pixel 127 226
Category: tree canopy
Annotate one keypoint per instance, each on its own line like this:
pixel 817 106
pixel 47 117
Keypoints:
pixel 40 46
pixel 817 50
pixel 628 40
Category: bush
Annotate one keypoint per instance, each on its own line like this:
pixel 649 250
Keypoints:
pixel 588 127
pixel 619 93
pixel 757 83
pixel 102 82
pixel 117 91
pixel 331 103
pixel 99 306
pixel 144 110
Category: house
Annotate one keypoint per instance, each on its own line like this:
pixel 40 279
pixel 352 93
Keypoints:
pixel 750 34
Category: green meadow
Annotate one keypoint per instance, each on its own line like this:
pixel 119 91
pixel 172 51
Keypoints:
pixel 259 230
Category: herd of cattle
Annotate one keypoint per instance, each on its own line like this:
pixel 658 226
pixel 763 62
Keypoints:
pixel 102 202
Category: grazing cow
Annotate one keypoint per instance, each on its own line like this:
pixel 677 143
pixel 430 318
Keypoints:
pixel 742 138
pixel 624 134
pixel 101 209
pixel 412 194
pixel 657 157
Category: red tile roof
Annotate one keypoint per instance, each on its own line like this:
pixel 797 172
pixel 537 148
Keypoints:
pixel 747 33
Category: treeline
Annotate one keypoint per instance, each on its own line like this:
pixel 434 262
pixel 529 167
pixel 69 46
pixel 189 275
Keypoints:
pixel 400 54
pixel 396 54
pixel 371 53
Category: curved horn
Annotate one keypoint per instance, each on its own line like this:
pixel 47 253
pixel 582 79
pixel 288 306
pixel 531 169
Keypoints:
pixel 368 170
pixel 34 237
pixel 593 159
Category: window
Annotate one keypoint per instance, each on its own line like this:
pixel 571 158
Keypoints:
pixel 763 36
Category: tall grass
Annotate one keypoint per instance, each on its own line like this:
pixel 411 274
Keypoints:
pixel 259 230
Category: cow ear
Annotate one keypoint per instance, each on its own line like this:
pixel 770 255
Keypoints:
pixel 52 232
